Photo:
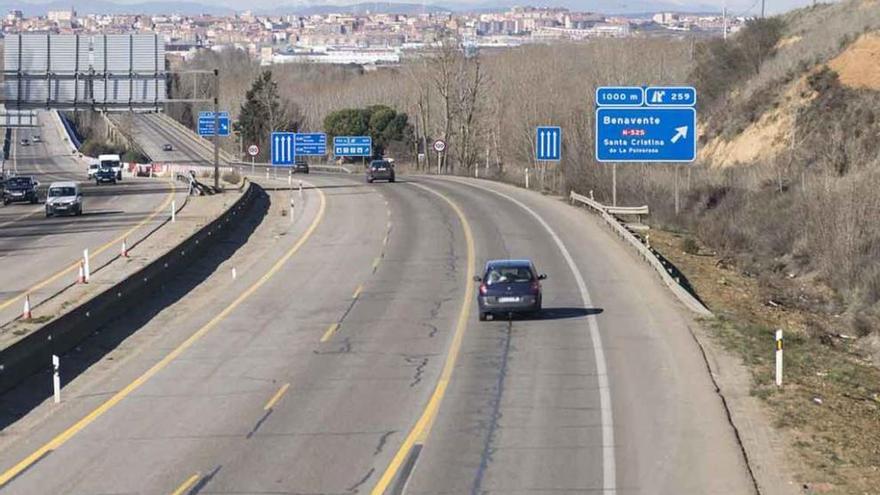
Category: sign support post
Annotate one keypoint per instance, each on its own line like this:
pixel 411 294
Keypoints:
pixel 613 184
pixel 216 129
pixel 676 190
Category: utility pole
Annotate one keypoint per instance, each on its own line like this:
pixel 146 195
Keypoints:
pixel 216 129
pixel 762 8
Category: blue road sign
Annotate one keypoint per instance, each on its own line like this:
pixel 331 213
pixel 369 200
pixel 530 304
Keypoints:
pixel 282 148
pixel 310 144
pixel 206 123
pixel 646 134
pixel 630 96
pixel 353 146
pixel 674 96
pixel 548 143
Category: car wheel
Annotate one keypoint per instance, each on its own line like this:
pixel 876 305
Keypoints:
pixel 369 181
pixel 48 214
pixel 484 316
pixel 391 179
pixel 97 182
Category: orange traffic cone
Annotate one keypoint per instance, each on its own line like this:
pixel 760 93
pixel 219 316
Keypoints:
pixel 26 314
pixel 82 274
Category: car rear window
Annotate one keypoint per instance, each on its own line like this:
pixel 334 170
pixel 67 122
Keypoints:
pixel 380 165
pixel 62 191
pixel 509 274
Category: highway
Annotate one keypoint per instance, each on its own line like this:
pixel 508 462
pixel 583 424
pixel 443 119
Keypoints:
pixel 154 130
pixel 347 357
pixel 39 255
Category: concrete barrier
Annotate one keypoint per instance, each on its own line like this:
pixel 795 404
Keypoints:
pixel 33 352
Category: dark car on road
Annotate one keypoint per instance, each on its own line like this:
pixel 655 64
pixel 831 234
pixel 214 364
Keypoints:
pixel 167 147
pixel 105 174
pixel 509 287
pixel 380 170
pixel 20 189
pixel 300 166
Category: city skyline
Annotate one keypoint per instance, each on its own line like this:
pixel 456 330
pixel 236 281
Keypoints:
pixel 268 7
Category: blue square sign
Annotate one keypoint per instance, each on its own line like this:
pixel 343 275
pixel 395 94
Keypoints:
pixel 548 143
pixel 281 147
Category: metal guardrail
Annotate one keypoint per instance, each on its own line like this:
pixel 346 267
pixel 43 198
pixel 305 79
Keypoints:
pixel 644 251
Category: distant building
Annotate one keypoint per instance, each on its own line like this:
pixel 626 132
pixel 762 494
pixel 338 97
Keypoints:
pixel 666 18
pixel 14 15
pixel 61 15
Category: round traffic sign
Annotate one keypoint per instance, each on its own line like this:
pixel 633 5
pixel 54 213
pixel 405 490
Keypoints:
pixel 253 150
pixel 439 145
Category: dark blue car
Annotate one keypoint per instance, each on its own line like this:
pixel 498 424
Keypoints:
pixel 508 287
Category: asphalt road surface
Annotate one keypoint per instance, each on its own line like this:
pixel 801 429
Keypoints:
pixel 347 357
pixel 38 255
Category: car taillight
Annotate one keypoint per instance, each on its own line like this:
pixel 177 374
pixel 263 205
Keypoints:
pixel 483 289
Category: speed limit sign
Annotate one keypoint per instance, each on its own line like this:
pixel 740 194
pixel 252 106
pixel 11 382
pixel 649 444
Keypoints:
pixel 439 145
pixel 253 150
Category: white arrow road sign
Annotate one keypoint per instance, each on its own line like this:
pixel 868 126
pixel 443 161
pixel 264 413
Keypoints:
pixel 680 133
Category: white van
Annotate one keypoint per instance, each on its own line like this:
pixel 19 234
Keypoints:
pixel 112 161
pixel 64 198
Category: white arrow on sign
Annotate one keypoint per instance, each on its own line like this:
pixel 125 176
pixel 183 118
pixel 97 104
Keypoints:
pixel 680 132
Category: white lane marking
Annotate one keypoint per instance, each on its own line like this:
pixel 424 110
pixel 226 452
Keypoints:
pixel 609 473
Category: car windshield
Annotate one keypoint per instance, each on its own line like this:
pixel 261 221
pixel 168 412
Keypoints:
pixel 18 182
pixel 109 163
pixel 61 191
pixel 508 274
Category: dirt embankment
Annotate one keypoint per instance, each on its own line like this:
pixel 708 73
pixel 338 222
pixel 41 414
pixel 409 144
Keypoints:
pixel 858 67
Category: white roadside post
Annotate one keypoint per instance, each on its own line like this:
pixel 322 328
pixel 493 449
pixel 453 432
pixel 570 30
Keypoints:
pixel 527 177
pixel 289 178
pixel 779 358
pixel 173 211
pixel 56 378
pixel 86 271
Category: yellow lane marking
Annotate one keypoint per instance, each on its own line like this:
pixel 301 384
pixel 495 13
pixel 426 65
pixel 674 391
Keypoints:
pixel 385 241
pixel 186 485
pixel 75 266
pixel 275 398
pixel 69 433
pixel 357 292
pixel 419 433
pixel 330 331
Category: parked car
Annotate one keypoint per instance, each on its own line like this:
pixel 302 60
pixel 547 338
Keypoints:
pixel 36 138
pixel 167 147
pixel 508 287
pixel 300 166
pixel 380 170
pixel 64 198
pixel 93 169
pixel 25 142
pixel 105 173
pixel 20 189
